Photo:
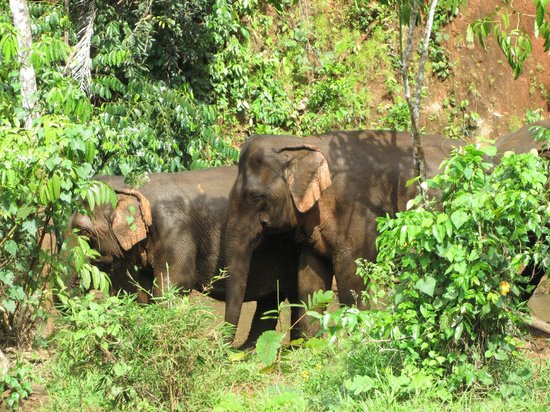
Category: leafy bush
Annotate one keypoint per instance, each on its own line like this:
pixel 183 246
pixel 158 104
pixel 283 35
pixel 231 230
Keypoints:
pixel 171 355
pixel 454 267
pixel 45 174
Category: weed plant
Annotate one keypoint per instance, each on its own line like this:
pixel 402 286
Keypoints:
pixel 117 354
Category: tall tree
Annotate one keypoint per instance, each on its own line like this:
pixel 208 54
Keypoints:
pixel 22 22
pixel 413 9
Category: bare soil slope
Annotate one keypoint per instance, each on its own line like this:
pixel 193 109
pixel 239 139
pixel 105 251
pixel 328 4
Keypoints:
pixel 485 78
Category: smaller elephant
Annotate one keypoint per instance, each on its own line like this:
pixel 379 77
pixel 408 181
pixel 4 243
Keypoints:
pixel 171 232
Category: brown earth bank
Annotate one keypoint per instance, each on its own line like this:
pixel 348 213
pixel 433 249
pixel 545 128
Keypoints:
pixel 485 79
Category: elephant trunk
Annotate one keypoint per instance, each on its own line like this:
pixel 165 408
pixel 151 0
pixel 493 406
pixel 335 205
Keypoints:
pixel 238 268
pixel 239 247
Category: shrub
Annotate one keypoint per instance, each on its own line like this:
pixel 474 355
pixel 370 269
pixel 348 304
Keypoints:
pixel 169 355
pixel 45 175
pixel 454 267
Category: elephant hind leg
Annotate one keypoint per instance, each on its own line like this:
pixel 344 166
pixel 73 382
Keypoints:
pixel 174 268
pixel 350 285
pixel 260 325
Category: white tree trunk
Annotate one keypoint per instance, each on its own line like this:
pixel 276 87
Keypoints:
pixel 27 75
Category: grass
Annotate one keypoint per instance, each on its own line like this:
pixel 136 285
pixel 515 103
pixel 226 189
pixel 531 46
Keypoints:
pixel 118 355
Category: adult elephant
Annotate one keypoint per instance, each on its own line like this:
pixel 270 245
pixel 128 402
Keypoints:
pixel 522 141
pixel 328 190
pixel 171 231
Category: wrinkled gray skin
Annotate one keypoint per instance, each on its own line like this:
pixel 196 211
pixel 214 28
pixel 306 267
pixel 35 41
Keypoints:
pixel 521 141
pixel 183 243
pixel 326 189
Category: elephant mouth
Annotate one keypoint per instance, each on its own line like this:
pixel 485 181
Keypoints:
pixel 275 230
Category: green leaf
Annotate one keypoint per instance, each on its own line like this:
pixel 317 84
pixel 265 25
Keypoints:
pixel 469 35
pixel 96 277
pixel 268 346
pixel 359 384
pixel 125 168
pixel 84 171
pixel 17 293
pixel 6 277
pixel 489 150
pixel 30 226
pixel 11 247
pixel 539 20
pixel 85 277
pixel 316 343
pixel 9 305
pixel 320 299
pixel 55 187
pixel 426 285
pixel 237 356
pixel 121 369
pixel 458 331
pixel 459 218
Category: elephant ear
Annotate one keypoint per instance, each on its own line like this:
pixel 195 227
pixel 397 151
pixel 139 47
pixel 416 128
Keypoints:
pixel 307 175
pixel 131 218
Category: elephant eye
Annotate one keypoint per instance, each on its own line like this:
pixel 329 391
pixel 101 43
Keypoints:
pixel 86 232
pixel 256 198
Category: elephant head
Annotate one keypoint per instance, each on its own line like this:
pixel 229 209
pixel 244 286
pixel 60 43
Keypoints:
pixel 114 232
pixel 276 187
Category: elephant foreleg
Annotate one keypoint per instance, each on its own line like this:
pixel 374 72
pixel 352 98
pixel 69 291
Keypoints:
pixel 314 273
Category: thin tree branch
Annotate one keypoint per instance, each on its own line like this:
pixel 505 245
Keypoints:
pixel 412 102
pixel 406 54
pixel 418 151
pixel 410 35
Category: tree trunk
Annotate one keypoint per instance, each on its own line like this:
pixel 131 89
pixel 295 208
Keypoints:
pixel 27 75
pixel 413 101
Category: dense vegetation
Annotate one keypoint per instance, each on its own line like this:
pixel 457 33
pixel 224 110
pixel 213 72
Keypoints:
pixel 177 85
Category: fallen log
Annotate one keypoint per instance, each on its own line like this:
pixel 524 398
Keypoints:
pixel 538 323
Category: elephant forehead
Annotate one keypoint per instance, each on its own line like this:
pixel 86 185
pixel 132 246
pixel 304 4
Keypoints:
pixel 262 162
pixel 256 157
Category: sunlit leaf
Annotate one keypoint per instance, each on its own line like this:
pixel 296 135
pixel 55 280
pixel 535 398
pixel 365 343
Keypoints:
pixel 268 346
